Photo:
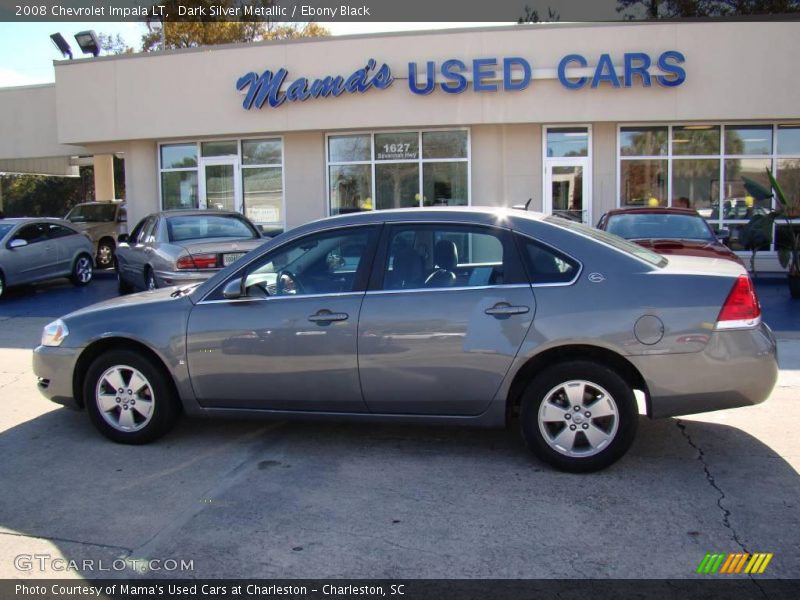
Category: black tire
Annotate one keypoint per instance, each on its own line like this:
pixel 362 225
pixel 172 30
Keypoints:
pixel 162 412
pixel 150 281
pixel 82 270
pixel 122 286
pixel 105 254
pixel 592 379
pixel 2 285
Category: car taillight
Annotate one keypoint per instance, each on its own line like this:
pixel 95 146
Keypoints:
pixel 197 261
pixel 741 308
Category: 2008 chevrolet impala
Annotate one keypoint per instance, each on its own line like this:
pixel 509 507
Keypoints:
pixel 463 316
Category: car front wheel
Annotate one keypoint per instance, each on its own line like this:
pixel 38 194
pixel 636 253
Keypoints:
pixel 129 398
pixel 82 270
pixel 150 282
pixel 579 416
pixel 105 255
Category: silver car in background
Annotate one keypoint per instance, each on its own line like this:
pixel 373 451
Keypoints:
pixel 182 246
pixel 34 250
pixel 458 316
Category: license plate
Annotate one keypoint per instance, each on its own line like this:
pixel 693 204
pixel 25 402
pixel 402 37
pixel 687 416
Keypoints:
pixel 229 259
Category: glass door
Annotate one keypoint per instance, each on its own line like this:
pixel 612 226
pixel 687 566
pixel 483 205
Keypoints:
pixel 220 185
pixel 567 189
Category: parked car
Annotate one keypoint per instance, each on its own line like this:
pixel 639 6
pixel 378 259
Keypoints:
pixel 104 222
pixel 668 231
pixel 35 250
pixel 182 246
pixel 459 316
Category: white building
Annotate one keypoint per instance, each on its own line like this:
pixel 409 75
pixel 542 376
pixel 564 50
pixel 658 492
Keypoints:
pixel 579 117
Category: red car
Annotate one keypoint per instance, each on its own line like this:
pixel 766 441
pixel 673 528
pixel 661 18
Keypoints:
pixel 667 231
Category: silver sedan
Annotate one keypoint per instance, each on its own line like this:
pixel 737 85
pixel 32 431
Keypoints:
pixel 35 250
pixel 182 246
pixel 459 316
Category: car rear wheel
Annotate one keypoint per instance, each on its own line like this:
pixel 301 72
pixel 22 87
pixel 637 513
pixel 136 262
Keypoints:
pixel 105 254
pixel 150 282
pixel 82 270
pixel 579 416
pixel 128 398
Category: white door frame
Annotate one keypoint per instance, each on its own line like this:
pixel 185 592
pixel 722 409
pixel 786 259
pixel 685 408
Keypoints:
pixel 567 161
pixel 204 162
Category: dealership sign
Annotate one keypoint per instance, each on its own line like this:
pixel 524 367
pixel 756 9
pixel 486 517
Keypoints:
pixel 453 76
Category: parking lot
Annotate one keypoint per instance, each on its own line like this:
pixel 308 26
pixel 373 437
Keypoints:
pixel 278 499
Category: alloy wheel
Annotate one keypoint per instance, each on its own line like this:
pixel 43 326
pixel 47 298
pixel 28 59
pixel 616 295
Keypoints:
pixel 125 398
pixel 578 418
pixel 83 269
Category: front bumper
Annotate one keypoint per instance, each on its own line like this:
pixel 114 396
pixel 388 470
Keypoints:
pixel 736 368
pixel 53 367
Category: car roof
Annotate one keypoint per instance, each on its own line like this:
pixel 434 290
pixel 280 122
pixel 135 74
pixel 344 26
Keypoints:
pixel 193 212
pixel 657 210
pixel 446 213
pixel 23 220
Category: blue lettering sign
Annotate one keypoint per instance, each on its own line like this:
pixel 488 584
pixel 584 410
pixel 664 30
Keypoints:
pixel 449 72
pixel 266 88
pixel 678 73
pixel 605 71
pixel 430 80
pixel 562 71
pixel 639 69
pixel 508 64
pixel 480 74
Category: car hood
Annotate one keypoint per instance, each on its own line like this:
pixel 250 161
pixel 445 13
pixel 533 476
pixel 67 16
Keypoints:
pixel 164 295
pixel 689 248
pixel 219 245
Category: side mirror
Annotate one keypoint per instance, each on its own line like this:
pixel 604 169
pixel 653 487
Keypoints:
pixel 122 238
pixel 232 289
pixel 18 243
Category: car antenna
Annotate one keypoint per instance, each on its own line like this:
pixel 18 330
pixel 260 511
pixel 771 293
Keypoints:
pixel 523 206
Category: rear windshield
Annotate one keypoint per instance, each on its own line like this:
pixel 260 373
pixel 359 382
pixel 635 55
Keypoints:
pixel 4 229
pixel 610 240
pixel 201 227
pixel 661 226
pixel 93 213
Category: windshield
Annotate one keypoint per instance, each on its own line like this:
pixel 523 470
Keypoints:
pixel 92 213
pixel 659 226
pixel 610 240
pixel 4 229
pixel 201 227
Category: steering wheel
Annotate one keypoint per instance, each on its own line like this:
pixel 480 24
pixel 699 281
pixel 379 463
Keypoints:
pixel 287 283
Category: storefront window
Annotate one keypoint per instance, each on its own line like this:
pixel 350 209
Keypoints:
pixel 262 181
pixel 567 141
pixel 398 169
pixel 695 140
pixel 748 139
pixel 217 162
pixel 704 167
pixel 643 141
pixel 644 182
pixel 179 189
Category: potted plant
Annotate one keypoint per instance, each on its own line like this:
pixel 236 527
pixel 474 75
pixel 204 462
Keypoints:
pixel 758 233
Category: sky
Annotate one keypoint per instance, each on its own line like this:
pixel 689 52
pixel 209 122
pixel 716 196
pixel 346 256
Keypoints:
pixel 27 53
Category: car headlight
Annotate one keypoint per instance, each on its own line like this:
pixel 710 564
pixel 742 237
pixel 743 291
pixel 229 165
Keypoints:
pixel 54 333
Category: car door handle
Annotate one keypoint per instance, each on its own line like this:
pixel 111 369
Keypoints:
pixel 326 316
pixel 504 310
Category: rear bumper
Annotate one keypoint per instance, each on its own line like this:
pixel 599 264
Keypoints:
pixel 737 368
pixel 53 368
pixel 168 278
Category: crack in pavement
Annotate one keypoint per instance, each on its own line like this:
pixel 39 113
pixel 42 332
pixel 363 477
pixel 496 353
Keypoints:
pixel 701 456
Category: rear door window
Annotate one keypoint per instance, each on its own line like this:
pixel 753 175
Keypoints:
pixel 546 265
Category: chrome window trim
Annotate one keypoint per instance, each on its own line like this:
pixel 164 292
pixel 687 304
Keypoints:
pixel 557 251
pixel 451 289
pixel 285 296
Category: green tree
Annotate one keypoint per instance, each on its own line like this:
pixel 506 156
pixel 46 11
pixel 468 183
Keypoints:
pixel 676 9
pixel 191 31
pixel 113 44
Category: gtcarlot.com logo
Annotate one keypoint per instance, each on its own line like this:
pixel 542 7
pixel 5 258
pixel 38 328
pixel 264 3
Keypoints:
pixel 734 562
pixel 46 562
